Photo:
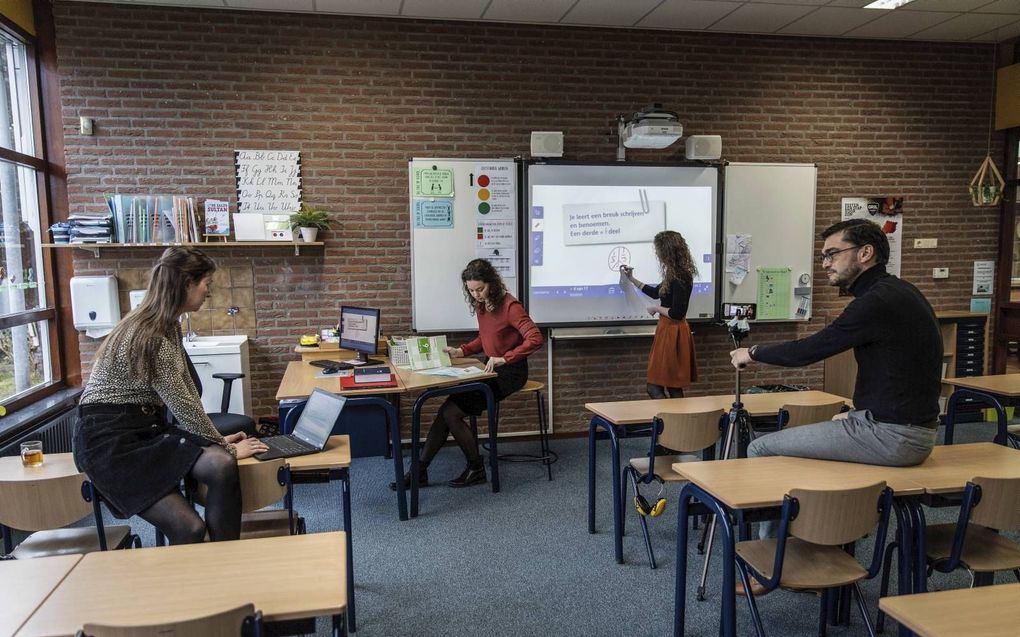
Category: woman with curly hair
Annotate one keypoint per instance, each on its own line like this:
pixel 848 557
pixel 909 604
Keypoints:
pixel 507 336
pixel 671 364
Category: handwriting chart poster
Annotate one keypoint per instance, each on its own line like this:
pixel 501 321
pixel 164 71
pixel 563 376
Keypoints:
pixel 268 181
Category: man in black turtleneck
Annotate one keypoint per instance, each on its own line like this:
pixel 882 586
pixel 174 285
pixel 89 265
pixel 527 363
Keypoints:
pixel 898 346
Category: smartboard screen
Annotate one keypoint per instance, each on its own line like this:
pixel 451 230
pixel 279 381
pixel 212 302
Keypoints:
pixel 586 220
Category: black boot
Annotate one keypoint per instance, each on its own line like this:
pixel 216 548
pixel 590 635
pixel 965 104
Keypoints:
pixel 423 479
pixel 469 477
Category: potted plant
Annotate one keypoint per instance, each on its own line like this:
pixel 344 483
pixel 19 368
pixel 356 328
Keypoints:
pixel 310 220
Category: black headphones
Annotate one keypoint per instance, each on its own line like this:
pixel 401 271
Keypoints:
pixel 651 510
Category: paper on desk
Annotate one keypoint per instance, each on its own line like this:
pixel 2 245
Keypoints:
pixel 452 372
pixel 337 374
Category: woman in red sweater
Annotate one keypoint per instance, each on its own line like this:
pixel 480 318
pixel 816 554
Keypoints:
pixel 506 335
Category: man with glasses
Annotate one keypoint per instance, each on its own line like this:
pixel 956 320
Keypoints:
pixel 898 346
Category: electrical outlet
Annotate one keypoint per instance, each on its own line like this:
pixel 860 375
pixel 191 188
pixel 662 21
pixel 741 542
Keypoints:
pixel 940 273
pixel 925 244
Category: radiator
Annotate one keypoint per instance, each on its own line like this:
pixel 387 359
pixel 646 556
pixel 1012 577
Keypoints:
pixel 55 435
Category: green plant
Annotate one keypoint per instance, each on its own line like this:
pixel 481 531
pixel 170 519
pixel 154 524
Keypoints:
pixel 309 217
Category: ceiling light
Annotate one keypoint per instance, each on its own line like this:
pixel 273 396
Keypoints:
pixel 886 4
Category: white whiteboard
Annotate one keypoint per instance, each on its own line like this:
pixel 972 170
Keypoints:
pixel 775 205
pixel 478 219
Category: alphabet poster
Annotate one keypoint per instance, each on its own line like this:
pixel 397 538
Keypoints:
pixel 268 181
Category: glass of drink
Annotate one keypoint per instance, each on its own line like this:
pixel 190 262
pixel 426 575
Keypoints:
pixel 32 453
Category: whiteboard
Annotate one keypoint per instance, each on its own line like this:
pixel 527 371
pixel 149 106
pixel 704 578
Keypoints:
pixel 773 204
pixel 460 209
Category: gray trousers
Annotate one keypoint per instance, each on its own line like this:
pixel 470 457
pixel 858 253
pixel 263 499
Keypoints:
pixel 857 438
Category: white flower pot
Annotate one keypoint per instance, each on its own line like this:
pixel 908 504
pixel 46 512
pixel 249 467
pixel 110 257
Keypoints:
pixel 309 234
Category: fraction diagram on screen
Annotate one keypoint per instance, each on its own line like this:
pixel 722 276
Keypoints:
pixel 618 256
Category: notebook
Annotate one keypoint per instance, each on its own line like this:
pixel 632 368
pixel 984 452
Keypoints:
pixel 312 429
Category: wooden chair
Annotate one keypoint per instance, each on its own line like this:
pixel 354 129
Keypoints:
pixel 791 415
pixel 686 433
pixel 262 484
pixel 44 505
pixel 809 552
pixel 242 621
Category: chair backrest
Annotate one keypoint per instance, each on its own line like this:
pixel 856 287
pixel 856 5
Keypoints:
pixel 228 623
pixel 690 432
pixel 260 485
pixel 810 414
pixel 35 505
pixel 836 516
pixel 999 507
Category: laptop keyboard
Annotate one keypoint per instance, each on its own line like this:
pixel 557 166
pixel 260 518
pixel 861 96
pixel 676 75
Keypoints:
pixel 284 444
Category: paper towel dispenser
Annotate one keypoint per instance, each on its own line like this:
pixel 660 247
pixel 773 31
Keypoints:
pixel 95 306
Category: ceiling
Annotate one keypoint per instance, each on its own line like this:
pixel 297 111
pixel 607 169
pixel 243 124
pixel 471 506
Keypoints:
pixel 923 20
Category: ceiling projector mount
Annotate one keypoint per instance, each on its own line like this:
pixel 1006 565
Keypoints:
pixel 650 128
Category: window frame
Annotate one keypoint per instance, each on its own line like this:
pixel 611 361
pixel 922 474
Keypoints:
pixel 42 89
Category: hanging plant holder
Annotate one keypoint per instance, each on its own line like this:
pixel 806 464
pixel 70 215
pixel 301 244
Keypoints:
pixel 987 185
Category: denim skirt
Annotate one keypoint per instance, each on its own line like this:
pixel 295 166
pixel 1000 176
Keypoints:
pixel 131 454
pixel 509 379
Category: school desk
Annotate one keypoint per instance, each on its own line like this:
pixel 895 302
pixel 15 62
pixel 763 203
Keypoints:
pixel 616 417
pixel 986 611
pixel 26 584
pixel 986 390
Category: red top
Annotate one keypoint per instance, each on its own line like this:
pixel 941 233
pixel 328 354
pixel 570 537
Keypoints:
pixel 507 332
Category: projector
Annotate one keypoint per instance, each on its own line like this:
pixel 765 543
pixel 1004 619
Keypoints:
pixel 652 130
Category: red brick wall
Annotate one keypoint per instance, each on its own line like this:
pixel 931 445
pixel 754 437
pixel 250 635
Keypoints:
pixel 173 92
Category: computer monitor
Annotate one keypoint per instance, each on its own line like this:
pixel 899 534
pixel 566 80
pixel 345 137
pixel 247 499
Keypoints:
pixel 359 331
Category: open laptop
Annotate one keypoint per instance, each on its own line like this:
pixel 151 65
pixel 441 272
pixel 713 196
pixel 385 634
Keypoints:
pixel 312 429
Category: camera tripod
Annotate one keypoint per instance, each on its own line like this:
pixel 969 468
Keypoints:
pixel 738 432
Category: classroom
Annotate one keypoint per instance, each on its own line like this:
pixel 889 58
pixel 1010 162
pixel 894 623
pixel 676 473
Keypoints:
pixel 554 139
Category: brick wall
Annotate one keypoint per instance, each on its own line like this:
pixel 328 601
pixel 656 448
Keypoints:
pixel 174 91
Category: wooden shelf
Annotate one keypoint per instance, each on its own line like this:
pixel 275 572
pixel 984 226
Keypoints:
pixel 96 248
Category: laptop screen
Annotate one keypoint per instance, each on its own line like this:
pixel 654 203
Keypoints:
pixel 320 414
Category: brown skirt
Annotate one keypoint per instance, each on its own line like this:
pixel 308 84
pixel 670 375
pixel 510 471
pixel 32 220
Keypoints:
pixel 672 362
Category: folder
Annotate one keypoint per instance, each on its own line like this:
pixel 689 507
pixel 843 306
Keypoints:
pixel 347 382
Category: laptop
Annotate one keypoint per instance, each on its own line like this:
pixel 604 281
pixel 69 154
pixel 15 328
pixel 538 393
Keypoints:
pixel 312 430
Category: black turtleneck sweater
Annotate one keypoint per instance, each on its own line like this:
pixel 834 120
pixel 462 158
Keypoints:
pixel 897 343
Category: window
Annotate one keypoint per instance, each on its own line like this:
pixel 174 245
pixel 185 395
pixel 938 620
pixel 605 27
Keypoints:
pixel 27 319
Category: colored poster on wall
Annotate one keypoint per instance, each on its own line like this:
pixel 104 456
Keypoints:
pixel 773 293
pixel 433 213
pixel 495 186
pixel 984 278
pixel 496 233
pixel 887 212
pixel 268 181
pixel 433 182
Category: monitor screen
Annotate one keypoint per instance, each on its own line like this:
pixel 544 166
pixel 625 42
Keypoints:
pixel 316 421
pixel 359 329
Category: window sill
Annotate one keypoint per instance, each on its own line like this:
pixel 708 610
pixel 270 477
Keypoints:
pixel 38 412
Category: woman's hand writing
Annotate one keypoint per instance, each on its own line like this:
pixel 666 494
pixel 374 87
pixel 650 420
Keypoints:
pixel 494 362
pixel 249 447
pixel 455 352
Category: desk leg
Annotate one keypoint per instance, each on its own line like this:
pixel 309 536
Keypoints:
pixel 490 410
pixel 728 614
pixel 345 490
pixel 920 547
pixel 905 558
pixel 596 423
pixel 398 465
pixel 1002 433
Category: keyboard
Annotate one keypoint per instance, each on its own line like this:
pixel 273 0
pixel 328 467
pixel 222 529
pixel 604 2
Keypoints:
pixel 284 444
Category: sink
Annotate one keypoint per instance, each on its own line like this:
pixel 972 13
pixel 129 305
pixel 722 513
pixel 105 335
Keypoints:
pixel 221 344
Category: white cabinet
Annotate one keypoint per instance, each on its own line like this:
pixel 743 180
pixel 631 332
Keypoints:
pixel 222 355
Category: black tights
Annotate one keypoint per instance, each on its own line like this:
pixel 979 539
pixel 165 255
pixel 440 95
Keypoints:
pixel 181 524
pixel 658 391
pixel 450 420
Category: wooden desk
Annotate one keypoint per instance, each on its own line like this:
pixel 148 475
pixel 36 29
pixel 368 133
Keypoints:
pixel 987 611
pixel 290 577
pixel 55 465
pixel 615 417
pixel 641 412
pixel 300 379
pixel 950 467
pixel 985 389
pixel 26 584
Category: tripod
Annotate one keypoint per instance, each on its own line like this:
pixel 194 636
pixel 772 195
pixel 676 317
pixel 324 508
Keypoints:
pixel 738 428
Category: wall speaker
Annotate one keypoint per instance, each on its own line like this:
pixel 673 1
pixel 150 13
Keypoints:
pixel 547 144
pixel 704 147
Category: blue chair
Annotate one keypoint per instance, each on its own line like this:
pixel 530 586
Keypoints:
pixel 809 553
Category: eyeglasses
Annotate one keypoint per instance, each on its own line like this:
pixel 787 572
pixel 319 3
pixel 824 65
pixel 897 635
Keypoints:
pixel 831 254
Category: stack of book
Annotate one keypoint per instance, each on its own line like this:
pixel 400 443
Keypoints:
pixel 368 378
pixel 85 228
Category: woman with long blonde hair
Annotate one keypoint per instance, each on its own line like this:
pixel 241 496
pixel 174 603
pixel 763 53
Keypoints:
pixel 123 438
pixel 671 364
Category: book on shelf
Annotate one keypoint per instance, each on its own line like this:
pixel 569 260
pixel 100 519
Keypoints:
pixel 153 218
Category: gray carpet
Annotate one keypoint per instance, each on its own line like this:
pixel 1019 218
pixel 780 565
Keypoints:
pixel 522 562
